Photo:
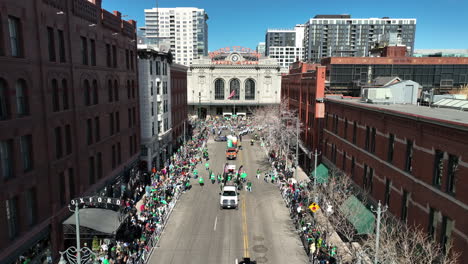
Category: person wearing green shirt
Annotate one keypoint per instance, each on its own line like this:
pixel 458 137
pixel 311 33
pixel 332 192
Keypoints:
pixel 220 178
pixel 249 186
pixel 201 181
pixel 212 178
pixel 207 166
pixel 243 176
pixel 187 185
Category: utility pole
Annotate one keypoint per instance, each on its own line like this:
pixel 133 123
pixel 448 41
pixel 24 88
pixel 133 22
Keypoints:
pixel 297 147
pixel 316 154
pixel 379 212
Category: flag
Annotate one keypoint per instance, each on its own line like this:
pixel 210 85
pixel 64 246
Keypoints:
pixel 232 94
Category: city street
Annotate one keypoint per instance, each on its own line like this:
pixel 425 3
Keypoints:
pixel 200 232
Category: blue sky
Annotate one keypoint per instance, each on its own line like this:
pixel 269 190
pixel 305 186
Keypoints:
pixel 440 24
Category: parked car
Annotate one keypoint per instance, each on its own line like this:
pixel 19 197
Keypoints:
pixel 220 138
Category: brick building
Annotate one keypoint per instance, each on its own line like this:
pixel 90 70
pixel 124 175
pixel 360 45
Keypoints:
pixel 179 103
pixel 68 115
pixel 411 158
pixel 347 75
pixel 303 88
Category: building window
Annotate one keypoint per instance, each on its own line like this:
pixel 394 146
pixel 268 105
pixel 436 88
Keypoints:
pixel 129 114
pixel 438 168
pixel 68 139
pixel 61 42
pixel 346 128
pixel 388 189
pixel 14 26
pixel 152 89
pixel 370 180
pixel 404 206
pixel 92 171
pixel 164 87
pixel 446 233
pixel 391 146
pixel 234 88
pixel 84 51
pixel 335 124
pixel 128 89
pixel 114 56
pixel 158 67
pixel 31 206
pixel 95 92
pixel 364 176
pixel 353 166
pixel 250 89
pixel 99 165
pixel 110 91
pixel 89 131
pixel 152 129
pixel 22 102
pixel 97 129
pixel 131 60
pixel 451 173
pixel 66 104
pixel 26 152
pixel 93 51
pixel 151 67
pixel 111 124
pixel 55 96
pixel 116 90
pixel 12 217
pixel 119 153
pixel 366 143
pixel 432 225
pixel 6 159
pixel 62 192
pixel 51 43
pixel 71 183
pixel 127 61
pixel 409 156
pixel 152 109
pixel 354 132
pixel 134 89
pixel 372 140
pixel 58 142
pixel 4 101
pixel 87 93
pixel 114 158
pixel 117 122
pixel 108 55
pixel 134 116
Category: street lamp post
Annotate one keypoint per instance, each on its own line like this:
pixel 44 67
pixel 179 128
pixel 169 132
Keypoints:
pixel 77 255
pixel 316 154
pixel 379 212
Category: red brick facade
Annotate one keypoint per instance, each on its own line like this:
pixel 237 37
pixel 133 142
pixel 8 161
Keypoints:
pixel 304 84
pixel 427 137
pixel 77 66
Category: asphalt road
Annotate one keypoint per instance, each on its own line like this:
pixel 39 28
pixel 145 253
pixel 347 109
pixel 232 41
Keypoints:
pixel 200 232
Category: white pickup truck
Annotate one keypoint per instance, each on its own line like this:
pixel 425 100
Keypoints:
pixel 229 197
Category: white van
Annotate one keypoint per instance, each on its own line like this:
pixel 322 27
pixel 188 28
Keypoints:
pixel 229 197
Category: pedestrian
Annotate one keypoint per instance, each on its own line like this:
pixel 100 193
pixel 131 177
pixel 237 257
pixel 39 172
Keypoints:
pixel 249 186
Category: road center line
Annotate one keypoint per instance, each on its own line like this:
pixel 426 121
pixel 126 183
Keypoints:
pixel 216 221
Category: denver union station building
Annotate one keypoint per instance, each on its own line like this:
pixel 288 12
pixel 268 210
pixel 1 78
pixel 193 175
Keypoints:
pixel 232 80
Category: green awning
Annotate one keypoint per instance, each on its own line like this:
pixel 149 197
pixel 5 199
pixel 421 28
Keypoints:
pixel 322 174
pixel 358 215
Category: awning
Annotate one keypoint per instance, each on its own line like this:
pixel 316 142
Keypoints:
pixel 358 215
pixel 101 220
pixel 322 173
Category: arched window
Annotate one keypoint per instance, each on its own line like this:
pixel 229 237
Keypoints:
pixel 249 89
pixel 66 103
pixel 110 91
pixel 116 90
pixel 95 93
pixel 22 102
pixel 87 93
pixel 4 101
pixel 234 89
pixel 55 96
pixel 219 89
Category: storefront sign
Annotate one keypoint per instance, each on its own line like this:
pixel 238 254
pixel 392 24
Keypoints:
pixel 96 200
